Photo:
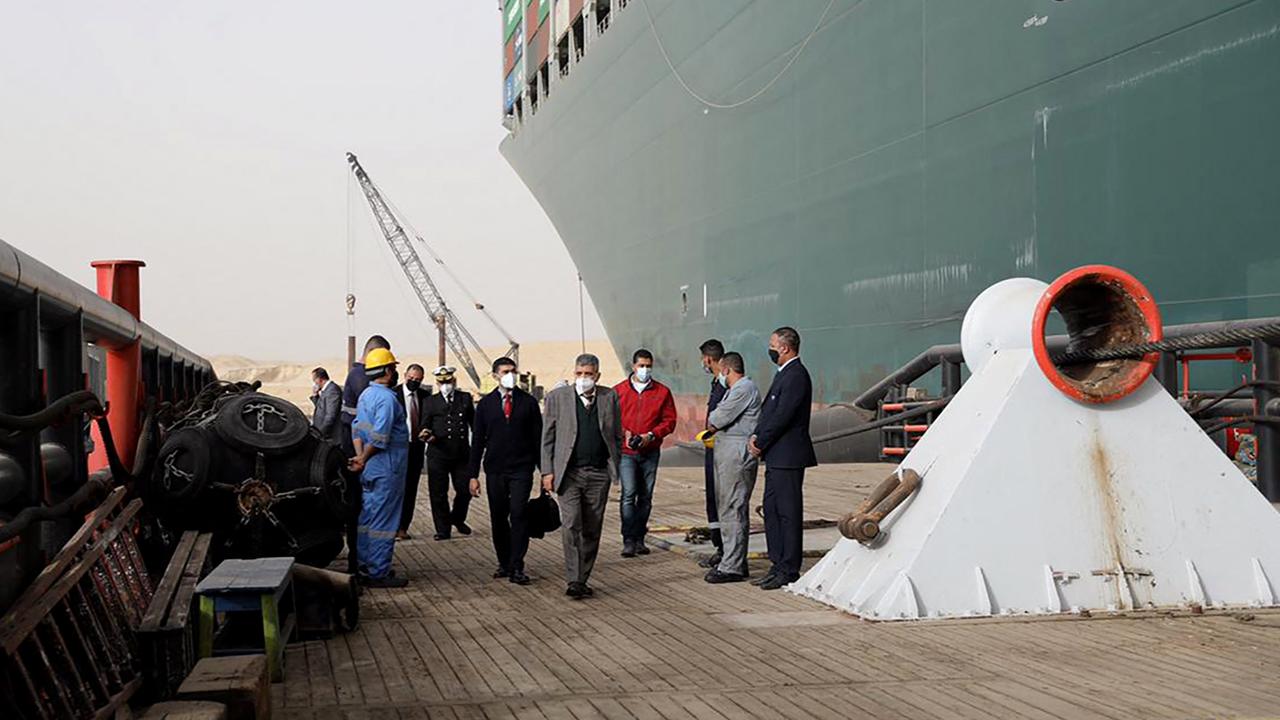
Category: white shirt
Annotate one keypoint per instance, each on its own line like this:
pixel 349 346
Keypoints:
pixel 639 386
pixel 785 364
pixel 408 408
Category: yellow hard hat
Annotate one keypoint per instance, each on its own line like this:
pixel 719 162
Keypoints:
pixel 707 438
pixel 379 357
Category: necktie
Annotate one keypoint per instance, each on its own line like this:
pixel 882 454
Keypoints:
pixel 506 405
pixel 413 416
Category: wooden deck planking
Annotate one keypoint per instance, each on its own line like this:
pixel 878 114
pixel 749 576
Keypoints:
pixel 657 642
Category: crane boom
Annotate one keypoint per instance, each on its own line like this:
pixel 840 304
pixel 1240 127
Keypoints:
pixel 416 272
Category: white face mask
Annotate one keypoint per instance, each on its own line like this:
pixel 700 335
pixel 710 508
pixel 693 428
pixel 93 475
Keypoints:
pixel 584 385
pixel 643 373
pixel 446 388
pixel 508 380
pixel 723 379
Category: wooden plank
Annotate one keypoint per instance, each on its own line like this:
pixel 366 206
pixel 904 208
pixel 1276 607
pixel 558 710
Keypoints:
pixel 181 609
pixel 163 594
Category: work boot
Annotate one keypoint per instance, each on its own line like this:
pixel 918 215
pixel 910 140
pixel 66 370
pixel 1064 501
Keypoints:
pixel 575 590
pixel 641 548
pixel 519 578
pixel 628 549
pixel 710 562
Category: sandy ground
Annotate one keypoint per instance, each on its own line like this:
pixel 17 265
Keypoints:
pixel 291 379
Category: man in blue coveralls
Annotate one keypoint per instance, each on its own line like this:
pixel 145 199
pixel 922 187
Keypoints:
pixel 381 441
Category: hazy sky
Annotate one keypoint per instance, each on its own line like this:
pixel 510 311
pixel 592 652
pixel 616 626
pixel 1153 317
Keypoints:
pixel 208 139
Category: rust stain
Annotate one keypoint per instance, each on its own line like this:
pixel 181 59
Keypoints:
pixel 1111 516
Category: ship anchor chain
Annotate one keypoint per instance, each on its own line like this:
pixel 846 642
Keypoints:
pixel 255 498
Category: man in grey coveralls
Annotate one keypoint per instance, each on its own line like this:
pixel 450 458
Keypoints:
pixel 733 422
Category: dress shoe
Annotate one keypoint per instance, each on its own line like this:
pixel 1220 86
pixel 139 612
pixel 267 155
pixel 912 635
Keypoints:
pixel 778 581
pixel 442 536
pixel 641 548
pixel 501 573
pixel 463 528
pixel 628 549
pixel 519 578
pixel 767 577
pixel 390 580
pixel 587 591
pixel 715 577
pixel 575 590
pixel 710 562
pixel 403 535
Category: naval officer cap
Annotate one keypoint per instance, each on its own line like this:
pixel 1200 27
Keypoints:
pixel 444 372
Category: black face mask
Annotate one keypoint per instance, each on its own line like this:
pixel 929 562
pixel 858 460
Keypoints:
pixel 773 356
pixel 395 378
pixel 413 385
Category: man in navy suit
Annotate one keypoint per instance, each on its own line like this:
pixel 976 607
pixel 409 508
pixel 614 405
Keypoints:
pixel 782 441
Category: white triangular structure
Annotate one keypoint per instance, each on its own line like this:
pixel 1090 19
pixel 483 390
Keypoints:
pixel 1032 502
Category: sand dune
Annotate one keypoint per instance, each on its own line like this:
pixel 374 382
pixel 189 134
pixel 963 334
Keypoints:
pixel 291 379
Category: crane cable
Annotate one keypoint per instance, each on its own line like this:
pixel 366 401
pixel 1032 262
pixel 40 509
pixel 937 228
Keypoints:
pixel 413 232
pixel 730 106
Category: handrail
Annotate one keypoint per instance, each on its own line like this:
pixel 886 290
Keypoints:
pixel 105 323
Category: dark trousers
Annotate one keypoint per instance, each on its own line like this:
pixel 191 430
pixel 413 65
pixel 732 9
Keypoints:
pixel 508 496
pixel 713 507
pixel 412 476
pixel 443 471
pixel 783 515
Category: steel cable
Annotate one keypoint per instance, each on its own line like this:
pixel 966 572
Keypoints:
pixel 1214 338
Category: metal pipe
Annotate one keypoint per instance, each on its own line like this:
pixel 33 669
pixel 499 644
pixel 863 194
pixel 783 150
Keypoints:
pixel 1266 365
pixel 913 370
pixel 105 323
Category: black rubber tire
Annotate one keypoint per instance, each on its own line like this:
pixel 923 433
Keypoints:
pixel 284 425
pixel 188 449
pixel 327 463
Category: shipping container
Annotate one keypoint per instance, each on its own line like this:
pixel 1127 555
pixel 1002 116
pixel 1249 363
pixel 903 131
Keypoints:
pixel 510 90
pixel 562 18
pixel 531 19
pixel 509 55
pixel 539 45
pixel 513 13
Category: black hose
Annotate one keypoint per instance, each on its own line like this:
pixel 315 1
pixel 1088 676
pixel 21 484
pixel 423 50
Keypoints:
pixel 76 403
pixel 1242 420
pixel 91 492
pixel 889 420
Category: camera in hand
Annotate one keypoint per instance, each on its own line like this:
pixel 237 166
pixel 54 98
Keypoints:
pixel 635 442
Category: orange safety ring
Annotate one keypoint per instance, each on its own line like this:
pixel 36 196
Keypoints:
pixel 1132 373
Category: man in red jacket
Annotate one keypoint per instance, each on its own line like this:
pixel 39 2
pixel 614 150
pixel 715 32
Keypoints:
pixel 648 416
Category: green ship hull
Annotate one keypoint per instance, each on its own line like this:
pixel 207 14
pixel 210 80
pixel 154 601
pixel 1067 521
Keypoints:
pixel 915 152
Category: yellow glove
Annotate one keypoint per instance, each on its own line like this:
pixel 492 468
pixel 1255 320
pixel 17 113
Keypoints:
pixel 707 438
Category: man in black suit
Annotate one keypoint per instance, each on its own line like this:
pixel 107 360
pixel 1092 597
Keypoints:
pixel 414 398
pixel 508 438
pixel 449 416
pixel 782 441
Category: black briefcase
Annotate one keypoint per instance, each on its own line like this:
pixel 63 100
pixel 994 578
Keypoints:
pixel 543 515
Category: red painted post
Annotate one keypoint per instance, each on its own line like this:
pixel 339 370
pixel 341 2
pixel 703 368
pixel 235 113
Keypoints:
pixel 118 282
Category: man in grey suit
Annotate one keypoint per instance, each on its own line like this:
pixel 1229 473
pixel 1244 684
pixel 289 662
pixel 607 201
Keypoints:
pixel 581 449
pixel 732 423
pixel 327 397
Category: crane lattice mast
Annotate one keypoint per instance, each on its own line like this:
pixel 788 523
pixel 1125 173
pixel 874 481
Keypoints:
pixel 451 329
